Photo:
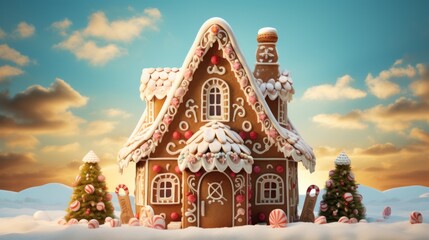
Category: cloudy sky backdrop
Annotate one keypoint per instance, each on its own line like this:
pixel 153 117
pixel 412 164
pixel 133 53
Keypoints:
pixel 69 80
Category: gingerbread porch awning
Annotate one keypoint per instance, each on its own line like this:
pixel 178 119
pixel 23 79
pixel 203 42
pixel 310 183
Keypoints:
pixel 215 146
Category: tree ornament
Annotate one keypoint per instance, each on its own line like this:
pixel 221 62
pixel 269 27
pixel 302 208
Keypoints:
pixel 101 178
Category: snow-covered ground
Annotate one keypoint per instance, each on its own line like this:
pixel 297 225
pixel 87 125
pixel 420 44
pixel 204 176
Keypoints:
pixel 32 214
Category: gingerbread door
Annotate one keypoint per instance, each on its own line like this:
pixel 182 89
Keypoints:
pixel 215 201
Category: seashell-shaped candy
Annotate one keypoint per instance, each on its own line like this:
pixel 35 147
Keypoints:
pixel 278 86
pixel 416 217
pixel 287 86
pixel 282 79
pixel 163 75
pixel 154 75
pixel 157 222
pixel 278 218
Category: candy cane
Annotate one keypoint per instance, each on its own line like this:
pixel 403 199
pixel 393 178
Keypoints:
pixel 124 187
pixel 311 187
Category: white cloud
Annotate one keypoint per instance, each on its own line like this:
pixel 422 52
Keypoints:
pixel 381 85
pixel 99 127
pixel 349 121
pixel 88 50
pixel 9 71
pixel 341 90
pixel 120 30
pixel 115 112
pixel 25 30
pixel 62 26
pixel 71 147
pixel 85 44
pixel 2 34
pixel 10 54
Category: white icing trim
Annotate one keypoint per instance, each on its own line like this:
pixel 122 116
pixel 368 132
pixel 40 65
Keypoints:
pixel 246 126
pixel 173 145
pixel 155 187
pixel 238 109
pixel 257 147
pixel 223 87
pixel 183 126
pixel 191 109
pixel 215 69
pixel 260 189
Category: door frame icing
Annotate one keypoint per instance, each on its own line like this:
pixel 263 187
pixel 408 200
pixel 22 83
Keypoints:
pixel 199 197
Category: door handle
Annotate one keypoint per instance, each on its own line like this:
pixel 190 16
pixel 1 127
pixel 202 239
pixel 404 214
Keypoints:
pixel 203 209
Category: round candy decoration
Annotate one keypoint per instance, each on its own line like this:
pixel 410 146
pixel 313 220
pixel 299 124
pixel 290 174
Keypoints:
pixel 331 173
pixel 387 211
pixel 253 135
pixel 329 183
pixel 320 220
pixel 243 135
pixel 115 223
pixel 156 222
pixel 93 223
pixel 344 219
pixel 108 197
pixel 188 134
pixel 100 206
pixel 279 169
pixel 174 216
pixel 192 198
pixel 348 197
pixel 261 217
pixel 239 198
pixel 156 168
pixel 214 59
pixel 363 221
pixel 351 176
pixel 75 205
pixel 72 221
pixel 101 178
pixel 176 135
pixel 416 217
pixel 83 221
pixel 256 169
pixel 89 188
pixel 278 218
pixel 353 220
pixel 108 219
pixel 133 222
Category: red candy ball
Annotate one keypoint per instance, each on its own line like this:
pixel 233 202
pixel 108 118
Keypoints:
pixel 256 169
pixel 156 168
pixel 174 216
pixel 243 135
pixel 192 198
pixel 176 135
pixel 261 216
pixel 253 135
pixel 279 169
pixel 177 170
pixel 214 59
pixel 188 134
pixel 239 198
pixel 232 174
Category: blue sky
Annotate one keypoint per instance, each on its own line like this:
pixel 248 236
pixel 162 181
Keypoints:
pixel 319 42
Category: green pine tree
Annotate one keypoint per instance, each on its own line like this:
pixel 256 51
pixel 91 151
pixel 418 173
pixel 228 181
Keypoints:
pixel 90 199
pixel 341 197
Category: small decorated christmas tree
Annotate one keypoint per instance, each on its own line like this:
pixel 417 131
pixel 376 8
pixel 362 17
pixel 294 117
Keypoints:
pixel 341 197
pixel 90 199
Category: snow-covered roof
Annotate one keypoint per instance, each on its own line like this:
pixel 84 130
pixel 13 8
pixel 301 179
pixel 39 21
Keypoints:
pixel 215 145
pixel 342 159
pixel 91 157
pixel 156 82
pixel 144 140
pixel 281 87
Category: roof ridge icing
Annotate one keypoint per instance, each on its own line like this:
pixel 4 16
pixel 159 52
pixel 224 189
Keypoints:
pixel 216 29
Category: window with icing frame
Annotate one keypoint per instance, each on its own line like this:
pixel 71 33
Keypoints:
pixel 215 100
pixel 165 189
pixel 269 190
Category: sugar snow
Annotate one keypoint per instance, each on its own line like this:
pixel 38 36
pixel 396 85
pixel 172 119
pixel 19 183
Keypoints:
pixel 32 214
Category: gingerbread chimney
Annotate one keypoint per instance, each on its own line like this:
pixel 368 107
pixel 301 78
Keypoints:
pixel 266 67
pixel 275 86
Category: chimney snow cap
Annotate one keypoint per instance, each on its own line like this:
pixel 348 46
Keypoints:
pixel 267 34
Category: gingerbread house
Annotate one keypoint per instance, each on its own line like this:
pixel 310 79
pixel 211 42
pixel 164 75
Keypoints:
pixel 215 146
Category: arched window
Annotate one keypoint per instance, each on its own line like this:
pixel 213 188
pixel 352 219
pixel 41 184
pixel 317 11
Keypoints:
pixel 215 100
pixel 165 189
pixel 269 190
